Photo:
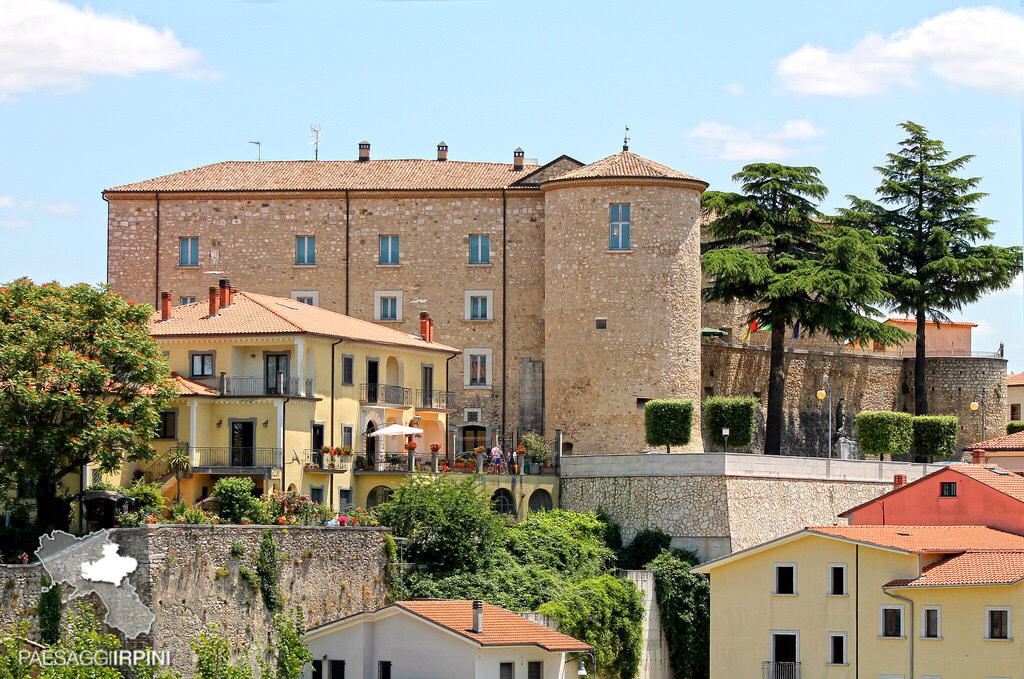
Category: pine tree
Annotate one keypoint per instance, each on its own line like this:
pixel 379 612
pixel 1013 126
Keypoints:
pixel 771 248
pixel 930 234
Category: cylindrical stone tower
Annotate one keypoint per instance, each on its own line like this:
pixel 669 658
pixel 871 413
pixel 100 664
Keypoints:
pixel 622 308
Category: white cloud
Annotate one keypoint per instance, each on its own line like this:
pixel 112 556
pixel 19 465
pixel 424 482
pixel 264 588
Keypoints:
pixel 50 43
pixel 735 89
pixel 14 223
pixel 6 201
pixel 62 209
pixel 979 47
pixel 754 143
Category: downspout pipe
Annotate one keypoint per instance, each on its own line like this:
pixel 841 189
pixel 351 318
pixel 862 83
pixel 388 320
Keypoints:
pixel 348 258
pixel 284 447
pixel 156 276
pixel 910 617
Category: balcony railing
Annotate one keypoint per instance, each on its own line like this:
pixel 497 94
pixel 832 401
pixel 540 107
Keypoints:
pixel 780 670
pixel 385 394
pixel 435 400
pixel 261 386
pixel 229 456
pixel 314 459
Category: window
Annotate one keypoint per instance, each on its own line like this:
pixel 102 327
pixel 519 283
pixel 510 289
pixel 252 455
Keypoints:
pixel 479 249
pixel 348 363
pixel 997 625
pixel 891 622
pixel 837 579
pixel 478 308
pixel 1014 411
pixel 947 489
pixel 477 368
pixel 931 622
pixel 337 669
pixel 535 670
pixel 168 425
pixel 507 670
pixel 388 250
pixel 837 648
pixel 618 226
pixel 318 669
pixel 601 323
pixel 202 365
pixel 472 437
pixel 387 305
pixel 305 250
pixel 188 252
pixel 316 494
pixel 785 578
pixel 187 300
pixel 383 669
pixel 479 305
pixel 502 502
pixel 346 435
pixel 471 414
pixel 310 297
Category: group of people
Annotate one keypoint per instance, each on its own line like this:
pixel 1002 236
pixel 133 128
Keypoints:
pixel 501 463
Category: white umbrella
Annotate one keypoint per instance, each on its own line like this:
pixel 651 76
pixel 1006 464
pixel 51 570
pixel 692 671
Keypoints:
pixel 396 430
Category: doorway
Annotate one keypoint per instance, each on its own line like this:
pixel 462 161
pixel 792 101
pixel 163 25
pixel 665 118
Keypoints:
pixel 785 654
pixel 317 443
pixel 276 363
pixel 243 436
pixel 427 386
pixel 372 379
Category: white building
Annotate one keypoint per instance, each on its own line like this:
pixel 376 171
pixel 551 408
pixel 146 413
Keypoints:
pixel 441 639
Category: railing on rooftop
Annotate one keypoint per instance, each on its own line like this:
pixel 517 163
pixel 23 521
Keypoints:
pixel 232 456
pixel 261 386
pixel 385 394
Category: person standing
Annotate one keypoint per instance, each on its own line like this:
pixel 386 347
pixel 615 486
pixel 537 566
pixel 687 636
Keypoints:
pixel 513 461
pixel 496 459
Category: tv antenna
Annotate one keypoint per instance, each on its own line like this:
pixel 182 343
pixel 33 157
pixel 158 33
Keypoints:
pixel 259 149
pixel 314 131
pixel 625 139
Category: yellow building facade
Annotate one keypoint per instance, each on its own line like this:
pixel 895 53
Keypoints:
pixel 878 602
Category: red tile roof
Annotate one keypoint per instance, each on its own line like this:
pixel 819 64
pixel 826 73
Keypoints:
pixel 912 321
pixel 1015 380
pixel 189 388
pixel 625 164
pixel 970 568
pixel 253 314
pixel 1010 442
pixel 501 627
pixel 925 539
pixel 326 175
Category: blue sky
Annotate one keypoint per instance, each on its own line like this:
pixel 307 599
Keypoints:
pixel 115 91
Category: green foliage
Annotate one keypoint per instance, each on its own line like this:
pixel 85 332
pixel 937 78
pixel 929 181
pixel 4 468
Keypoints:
pixel 292 654
pixel 536 449
pixel 83 383
pixel 81 632
pixel 214 659
pixel 21 535
pixel 290 507
pixel 647 544
pixel 11 666
pixel 883 432
pixel 49 612
pixel 180 463
pixel 237 549
pixel 934 436
pixel 448 522
pixel 249 575
pixel 932 254
pixel 668 422
pixel 607 613
pixel 736 413
pixel 684 601
pixel 236 502
pixel 1014 426
pixel 268 570
pixel 182 513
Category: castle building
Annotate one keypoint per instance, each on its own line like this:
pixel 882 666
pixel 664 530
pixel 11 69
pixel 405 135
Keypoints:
pixel 572 290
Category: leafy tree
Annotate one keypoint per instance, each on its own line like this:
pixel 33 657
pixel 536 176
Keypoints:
pixel 647 544
pixel 684 601
pixel 49 612
pixel 81 382
pixel 180 463
pixel 734 412
pixel 1013 427
pixel 931 254
pixel 934 436
pixel 668 422
pixel 884 431
pixel 291 652
pixel 236 502
pixel 214 659
pixel 771 248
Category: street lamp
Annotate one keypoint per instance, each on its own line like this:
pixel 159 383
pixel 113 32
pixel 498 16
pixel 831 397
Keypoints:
pixel 826 390
pixel 582 672
pixel 725 435
pixel 975 405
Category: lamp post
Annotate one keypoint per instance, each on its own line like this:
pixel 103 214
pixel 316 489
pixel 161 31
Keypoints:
pixel 979 403
pixel 582 671
pixel 725 435
pixel 826 390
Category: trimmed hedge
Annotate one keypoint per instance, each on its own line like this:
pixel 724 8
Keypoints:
pixel 1014 426
pixel 935 436
pixel 668 422
pixel 736 413
pixel 885 431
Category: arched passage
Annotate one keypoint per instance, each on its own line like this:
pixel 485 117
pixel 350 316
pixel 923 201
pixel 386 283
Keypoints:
pixel 540 501
pixel 502 502
pixel 378 495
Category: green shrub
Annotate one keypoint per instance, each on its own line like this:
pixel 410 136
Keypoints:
pixel 885 431
pixel 934 436
pixel 237 549
pixel 668 422
pixel 647 544
pixel 249 575
pixel 1014 426
pixel 735 412
pixel 235 500
pixel 214 658
pixel 537 451
pixel 684 601
pixel 268 570
pixel 49 613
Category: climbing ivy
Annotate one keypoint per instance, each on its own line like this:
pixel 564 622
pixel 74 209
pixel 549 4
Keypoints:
pixel 268 570
pixel 292 654
pixel 684 601
pixel 49 613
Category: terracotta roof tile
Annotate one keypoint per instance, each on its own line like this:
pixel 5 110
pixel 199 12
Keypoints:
pixel 189 388
pixel 625 164
pixel 1015 380
pixel 326 175
pixel 501 627
pixel 253 314
pixel 1010 442
pixel 970 568
pixel 912 321
pixel 924 539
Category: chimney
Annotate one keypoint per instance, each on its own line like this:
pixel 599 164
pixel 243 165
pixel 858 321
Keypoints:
pixel 364 151
pixel 978 456
pixel 478 616
pixel 231 295
pixel 442 151
pixel 425 326
pixel 898 481
pixel 165 306
pixel 214 301
pixel 225 293
pixel 517 159
pixel 431 319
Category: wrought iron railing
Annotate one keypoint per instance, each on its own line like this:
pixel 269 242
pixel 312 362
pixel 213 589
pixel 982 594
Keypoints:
pixel 319 460
pixel 231 456
pixel 780 670
pixel 435 400
pixel 261 386
pixel 385 394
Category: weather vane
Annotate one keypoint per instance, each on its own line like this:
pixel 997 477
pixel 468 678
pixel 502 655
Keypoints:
pixel 625 140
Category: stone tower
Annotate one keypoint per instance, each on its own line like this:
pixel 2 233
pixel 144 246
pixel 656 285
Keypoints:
pixel 622 308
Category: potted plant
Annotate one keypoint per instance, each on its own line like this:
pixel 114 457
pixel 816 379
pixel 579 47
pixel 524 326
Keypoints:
pixel 435 447
pixel 410 446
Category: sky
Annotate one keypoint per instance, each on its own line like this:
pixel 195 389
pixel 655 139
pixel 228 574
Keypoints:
pixel 93 95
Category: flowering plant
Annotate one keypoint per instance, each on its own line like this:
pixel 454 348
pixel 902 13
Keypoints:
pixel 479 449
pixel 411 445
pixel 434 447
pixel 326 450
pixel 344 450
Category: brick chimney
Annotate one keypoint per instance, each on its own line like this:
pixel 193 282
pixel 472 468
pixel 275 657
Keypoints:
pixel 364 151
pixel 978 456
pixel 517 159
pixel 214 301
pixel 442 151
pixel 225 293
pixel 165 306
pixel 898 481
pixel 478 616
pixel 431 319
pixel 425 326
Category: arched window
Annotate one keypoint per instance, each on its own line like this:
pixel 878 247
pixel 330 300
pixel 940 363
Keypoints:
pixel 473 436
pixel 540 501
pixel 378 495
pixel 502 502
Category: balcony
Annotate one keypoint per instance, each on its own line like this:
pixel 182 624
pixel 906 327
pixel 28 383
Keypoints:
pixel 442 401
pixel 228 457
pixel 780 670
pixel 325 462
pixel 260 386
pixel 388 395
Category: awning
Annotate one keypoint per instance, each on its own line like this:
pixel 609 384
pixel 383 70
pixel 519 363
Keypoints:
pixel 710 332
pixel 396 430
